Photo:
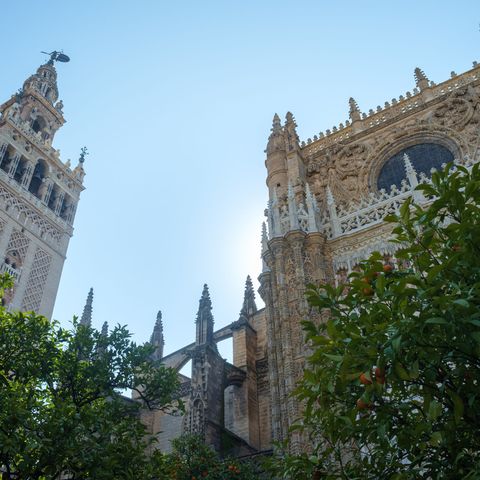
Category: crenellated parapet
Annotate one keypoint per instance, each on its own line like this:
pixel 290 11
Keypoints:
pixel 425 91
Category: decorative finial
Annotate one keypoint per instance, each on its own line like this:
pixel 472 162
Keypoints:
pixel 291 137
pixel 408 164
pixel 290 118
pixel 87 310
pixel 276 124
pixel 249 307
pixel 205 299
pixel 204 319
pixel 264 237
pixel 159 320
pixel 157 339
pixel 421 79
pixel 83 154
pixel 104 332
pixel 354 112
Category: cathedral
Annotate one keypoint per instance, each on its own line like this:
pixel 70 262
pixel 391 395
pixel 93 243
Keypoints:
pixel 327 199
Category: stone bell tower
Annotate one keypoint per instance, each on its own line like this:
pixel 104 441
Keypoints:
pixel 38 192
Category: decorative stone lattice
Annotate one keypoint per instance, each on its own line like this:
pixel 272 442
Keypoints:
pixel 36 281
pixel 19 242
pixel 46 230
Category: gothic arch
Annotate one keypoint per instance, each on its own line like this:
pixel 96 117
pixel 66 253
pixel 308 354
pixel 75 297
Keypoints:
pixel 40 171
pixel 389 149
pixel 7 158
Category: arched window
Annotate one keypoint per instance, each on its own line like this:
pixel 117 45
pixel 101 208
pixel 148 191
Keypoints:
pixel 20 169
pixel 7 159
pixel 37 177
pixel 66 209
pixel 423 157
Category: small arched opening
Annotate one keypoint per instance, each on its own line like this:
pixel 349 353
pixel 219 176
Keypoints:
pixel 7 158
pixel 39 124
pixel 21 167
pixel 66 208
pixel 39 173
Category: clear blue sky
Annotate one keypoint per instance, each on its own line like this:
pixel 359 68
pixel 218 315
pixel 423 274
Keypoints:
pixel 174 101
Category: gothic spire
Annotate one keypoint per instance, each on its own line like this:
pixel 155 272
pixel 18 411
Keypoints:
pixel 204 319
pixel 249 307
pixel 157 339
pixel 87 310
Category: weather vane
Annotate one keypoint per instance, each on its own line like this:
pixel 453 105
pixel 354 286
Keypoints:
pixel 83 154
pixel 57 57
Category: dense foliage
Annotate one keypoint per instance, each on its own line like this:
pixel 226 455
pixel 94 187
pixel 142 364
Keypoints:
pixel 392 386
pixel 61 407
pixel 191 459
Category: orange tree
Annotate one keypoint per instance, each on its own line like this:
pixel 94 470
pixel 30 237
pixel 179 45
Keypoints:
pixel 62 412
pixel 392 385
pixel 191 459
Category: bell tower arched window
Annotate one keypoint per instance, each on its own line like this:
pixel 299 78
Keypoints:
pixel 37 178
pixel 38 124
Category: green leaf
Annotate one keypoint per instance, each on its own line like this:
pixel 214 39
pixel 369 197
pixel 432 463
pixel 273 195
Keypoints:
pixel 458 407
pixel 462 302
pixel 335 358
pixel 434 410
pixel 401 371
pixel 437 320
pixel 434 271
pixel 396 343
pixel 436 439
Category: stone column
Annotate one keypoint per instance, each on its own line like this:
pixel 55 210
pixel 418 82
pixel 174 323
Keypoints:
pixel 244 357
pixel 72 209
pixel 59 202
pixel 27 174
pixel 13 166
pixel 47 188
pixel 3 149
pixel 265 291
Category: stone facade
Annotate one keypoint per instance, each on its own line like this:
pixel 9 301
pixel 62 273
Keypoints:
pixel 328 197
pixel 39 193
